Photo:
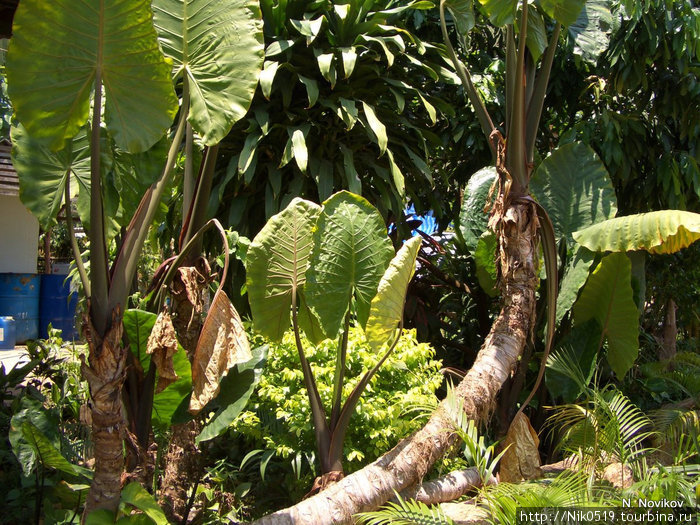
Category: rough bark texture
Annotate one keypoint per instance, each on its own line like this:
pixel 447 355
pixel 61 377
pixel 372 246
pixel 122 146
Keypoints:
pixel 446 488
pixel 105 374
pixel 408 462
pixel 667 349
pixel 183 461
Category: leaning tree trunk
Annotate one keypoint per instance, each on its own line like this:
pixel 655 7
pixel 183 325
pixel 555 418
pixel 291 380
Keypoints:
pixel 411 459
pixel 667 349
pixel 105 372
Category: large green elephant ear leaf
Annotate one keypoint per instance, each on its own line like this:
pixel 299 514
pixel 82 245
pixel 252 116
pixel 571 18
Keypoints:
pixel 386 310
pixel 473 220
pixel 59 48
pixel 574 187
pixel 665 231
pixel 218 47
pixel 607 297
pixel 276 263
pixel 351 252
pixel 43 172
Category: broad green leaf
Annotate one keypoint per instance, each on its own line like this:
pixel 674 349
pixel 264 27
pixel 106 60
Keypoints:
pixel 665 231
pixel 134 494
pixel 58 48
pixel 574 187
pixel 582 344
pixel 267 77
pixel 485 259
pixel 575 275
pixel 536 34
pixel 236 389
pixel 607 297
pixel 276 264
pixel 564 11
pixel 301 154
pixel 43 172
pixel 325 65
pixel 383 43
pixel 396 175
pixel 429 108
pixel 245 159
pixel 462 12
pixel 311 89
pixel 31 411
pixel 473 220
pixel 47 454
pixel 592 29
pixel 377 127
pixel 218 47
pixel 347 112
pixel 351 175
pixel 386 309
pixel 277 47
pixel 351 250
pixel 349 55
pixel 133 174
pixel 500 12
pixel 166 402
pixel 138 325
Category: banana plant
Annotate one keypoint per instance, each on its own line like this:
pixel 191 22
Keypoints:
pixel 513 147
pixel 95 101
pixel 323 268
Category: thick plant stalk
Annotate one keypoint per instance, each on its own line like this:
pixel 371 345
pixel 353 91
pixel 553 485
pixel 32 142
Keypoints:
pixel 105 373
pixel 447 488
pixel 407 463
pixel 183 461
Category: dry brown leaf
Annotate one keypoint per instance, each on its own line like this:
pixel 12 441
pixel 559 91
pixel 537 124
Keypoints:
pixel 162 345
pixel 522 459
pixel 222 344
pixel 191 282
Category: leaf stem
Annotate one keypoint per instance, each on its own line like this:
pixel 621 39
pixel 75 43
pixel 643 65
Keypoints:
pixel 99 274
pixel 339 377
pixel 463 73
pixel 338 436
pixel 74 243
pixel 128 256
pixel 534 110
pixel 321 430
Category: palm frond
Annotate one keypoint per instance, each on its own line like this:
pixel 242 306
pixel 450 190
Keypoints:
pixel 405 512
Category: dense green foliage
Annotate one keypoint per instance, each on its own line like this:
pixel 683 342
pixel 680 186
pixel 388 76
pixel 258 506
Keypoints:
pixel 278 418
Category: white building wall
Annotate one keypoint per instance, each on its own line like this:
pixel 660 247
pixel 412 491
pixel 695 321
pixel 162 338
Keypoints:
pixel 19 237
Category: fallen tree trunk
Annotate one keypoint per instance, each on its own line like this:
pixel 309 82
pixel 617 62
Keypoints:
pixel 446 488
pixel 408 462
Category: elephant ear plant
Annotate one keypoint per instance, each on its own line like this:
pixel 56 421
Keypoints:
pixel 326 267
pixel 93 104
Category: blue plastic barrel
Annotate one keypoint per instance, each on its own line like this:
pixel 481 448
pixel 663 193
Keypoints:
pixel 8 337
pixel 57 306
pixel 19 298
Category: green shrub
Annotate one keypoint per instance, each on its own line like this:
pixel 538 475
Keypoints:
pixel 278 417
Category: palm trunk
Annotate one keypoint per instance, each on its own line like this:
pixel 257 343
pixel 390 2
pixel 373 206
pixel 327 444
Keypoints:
pixel 410 460
pixel 105 373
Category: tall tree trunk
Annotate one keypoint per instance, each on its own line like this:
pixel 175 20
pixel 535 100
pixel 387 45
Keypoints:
pixel 411 459
pixel 105 372
pixel 667 349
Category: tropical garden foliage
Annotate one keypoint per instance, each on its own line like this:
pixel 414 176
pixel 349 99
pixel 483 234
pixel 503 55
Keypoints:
pixel 264 155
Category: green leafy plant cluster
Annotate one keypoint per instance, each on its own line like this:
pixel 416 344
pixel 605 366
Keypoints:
pixel 349 97
pixel 278 416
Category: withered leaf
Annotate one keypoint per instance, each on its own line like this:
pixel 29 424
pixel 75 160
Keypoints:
pixel 222 344
pixel 522 459
pixel 162 345
pixel 193 283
